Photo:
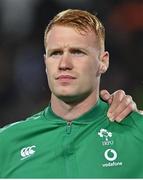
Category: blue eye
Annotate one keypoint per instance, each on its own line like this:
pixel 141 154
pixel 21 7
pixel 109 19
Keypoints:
pixel 56 53
pixel 77 52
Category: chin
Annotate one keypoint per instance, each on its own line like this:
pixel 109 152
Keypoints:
pixel 65 93
pixel 72 98
pixel 66 97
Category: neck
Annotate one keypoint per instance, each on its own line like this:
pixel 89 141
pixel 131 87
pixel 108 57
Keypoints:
pixel 71 111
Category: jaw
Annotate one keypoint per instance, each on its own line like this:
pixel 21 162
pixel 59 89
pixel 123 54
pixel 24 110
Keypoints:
pixel 70 109
pixel 76 98
pixel 74 93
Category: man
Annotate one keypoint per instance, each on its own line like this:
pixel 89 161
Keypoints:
pixel 73 137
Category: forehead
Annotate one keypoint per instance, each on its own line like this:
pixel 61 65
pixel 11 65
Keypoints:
pixel 68 36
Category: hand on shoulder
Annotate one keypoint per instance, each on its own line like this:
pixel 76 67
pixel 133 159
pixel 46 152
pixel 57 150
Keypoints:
pixel 120 104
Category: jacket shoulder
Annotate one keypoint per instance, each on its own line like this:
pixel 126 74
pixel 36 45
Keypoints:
pixel 21 124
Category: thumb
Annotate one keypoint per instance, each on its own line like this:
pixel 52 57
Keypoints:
pixel 106 96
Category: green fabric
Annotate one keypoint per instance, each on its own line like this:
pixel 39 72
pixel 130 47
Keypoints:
pixel 44 146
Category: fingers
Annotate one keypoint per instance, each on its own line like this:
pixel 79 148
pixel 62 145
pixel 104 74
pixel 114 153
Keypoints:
pixel 140 111
pixel 121 106
pixel 128 109
pixel 114 109
pixel 106 96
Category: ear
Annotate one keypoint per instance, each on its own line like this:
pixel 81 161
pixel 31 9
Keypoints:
pixel 104 62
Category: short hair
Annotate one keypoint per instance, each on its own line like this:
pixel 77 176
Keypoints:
pixel 80 20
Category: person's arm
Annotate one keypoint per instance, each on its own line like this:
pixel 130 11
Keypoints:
pixel 120 104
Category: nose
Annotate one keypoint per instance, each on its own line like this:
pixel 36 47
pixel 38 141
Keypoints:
pixel 66 62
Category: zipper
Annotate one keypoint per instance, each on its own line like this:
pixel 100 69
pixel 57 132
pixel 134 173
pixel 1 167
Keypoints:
pixel 69 127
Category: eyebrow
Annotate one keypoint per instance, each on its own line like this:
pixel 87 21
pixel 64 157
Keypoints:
pixel 70 49
pixel 48 51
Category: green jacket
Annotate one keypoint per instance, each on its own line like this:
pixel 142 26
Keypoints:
pixel 46 146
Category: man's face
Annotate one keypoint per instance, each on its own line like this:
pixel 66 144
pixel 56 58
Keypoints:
pixel 72 63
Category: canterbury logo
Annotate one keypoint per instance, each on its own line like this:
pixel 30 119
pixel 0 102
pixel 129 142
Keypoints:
pixel 27 152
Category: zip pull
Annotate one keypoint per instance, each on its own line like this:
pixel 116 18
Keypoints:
pixel 69 127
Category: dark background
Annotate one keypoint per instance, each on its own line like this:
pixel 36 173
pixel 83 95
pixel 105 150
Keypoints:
pixel 23 85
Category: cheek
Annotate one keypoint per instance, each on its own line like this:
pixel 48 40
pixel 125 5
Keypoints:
pixel 50 78
pixel 48 71
pixel 49 68
pixel 49 74
pixel 46 66
pixel 87 75
pixel 91 70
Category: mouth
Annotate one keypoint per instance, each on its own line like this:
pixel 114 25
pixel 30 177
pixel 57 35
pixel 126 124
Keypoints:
pixel 65 78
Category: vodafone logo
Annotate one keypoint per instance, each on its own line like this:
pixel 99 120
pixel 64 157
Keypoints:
pixel 110 154
pixel 27 151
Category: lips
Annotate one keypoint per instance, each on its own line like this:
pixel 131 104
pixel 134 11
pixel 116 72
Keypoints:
pixel 65 80
pixel 62 77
